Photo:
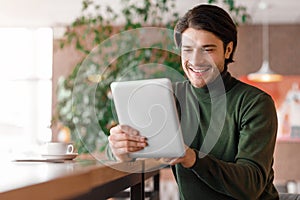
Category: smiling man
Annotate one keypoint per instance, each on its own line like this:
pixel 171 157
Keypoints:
pixel 229 127
pixel 197 47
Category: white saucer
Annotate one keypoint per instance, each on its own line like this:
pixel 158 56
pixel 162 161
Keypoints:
pixel 69 156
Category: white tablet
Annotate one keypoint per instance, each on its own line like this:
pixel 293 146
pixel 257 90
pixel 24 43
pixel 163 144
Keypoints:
pixel 149 106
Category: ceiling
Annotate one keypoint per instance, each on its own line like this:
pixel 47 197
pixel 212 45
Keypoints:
pixel 277 11
pixel 54 13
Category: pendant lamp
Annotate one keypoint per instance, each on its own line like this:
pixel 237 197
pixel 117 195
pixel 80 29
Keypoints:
pixel 265 74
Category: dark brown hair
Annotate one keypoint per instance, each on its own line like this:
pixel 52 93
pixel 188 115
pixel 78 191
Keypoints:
pixel 210 18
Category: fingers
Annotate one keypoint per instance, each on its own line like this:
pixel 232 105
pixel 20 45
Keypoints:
pixel 170 161
pixel 124 139
pixel 176 161
pixel 187 161
pixel 124 129
pixel 128 129
pixel 126 143
pixel 123 136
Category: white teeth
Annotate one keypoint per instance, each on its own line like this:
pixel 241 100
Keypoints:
pixel 199 70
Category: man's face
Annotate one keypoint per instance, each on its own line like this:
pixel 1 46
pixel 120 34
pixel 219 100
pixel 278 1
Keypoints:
pixel 203 56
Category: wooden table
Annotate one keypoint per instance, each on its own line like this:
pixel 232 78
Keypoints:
pixel 78 179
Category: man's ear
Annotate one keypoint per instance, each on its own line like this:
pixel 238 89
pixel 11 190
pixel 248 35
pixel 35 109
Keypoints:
pixel 228 50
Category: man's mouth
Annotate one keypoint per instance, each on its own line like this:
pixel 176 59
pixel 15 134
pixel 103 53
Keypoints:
pixel 202 70
pixel 199 70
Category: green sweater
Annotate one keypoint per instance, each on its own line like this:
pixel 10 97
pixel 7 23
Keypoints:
pixel 233 131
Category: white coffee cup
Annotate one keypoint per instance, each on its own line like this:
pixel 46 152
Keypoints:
pixel 58 148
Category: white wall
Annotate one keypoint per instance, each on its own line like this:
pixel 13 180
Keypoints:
pixel 54 13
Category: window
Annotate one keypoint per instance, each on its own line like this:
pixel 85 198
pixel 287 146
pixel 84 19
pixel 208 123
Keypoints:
pixel 25 86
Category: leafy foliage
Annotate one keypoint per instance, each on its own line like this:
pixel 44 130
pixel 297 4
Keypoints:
pixel 93 27
pixel 238 12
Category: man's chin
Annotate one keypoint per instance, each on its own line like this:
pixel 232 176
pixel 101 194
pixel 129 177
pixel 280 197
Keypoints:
pixel 198 84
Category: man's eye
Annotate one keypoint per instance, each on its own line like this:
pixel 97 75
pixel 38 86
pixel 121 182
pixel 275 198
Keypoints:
pixel 187 50
pixel 208 49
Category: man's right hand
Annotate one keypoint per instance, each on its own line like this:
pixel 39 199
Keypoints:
pixel 123 139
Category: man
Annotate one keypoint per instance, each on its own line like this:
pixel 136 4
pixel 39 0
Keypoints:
pixel 236 162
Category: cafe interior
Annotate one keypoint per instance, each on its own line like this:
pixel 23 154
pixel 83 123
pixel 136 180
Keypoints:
pixel 59 58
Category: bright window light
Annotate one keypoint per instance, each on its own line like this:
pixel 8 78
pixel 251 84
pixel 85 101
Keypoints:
pixel 25 86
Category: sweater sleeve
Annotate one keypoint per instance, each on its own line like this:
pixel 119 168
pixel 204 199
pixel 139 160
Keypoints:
pixel 248 176
pixel 109 154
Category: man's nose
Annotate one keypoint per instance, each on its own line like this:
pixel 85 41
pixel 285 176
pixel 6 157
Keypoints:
pixel 198 57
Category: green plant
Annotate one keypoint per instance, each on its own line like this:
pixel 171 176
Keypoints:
pixel 88 31
pixel 238 12
pixel 84 104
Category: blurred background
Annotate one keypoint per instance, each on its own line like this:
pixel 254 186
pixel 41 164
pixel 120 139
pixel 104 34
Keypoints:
pixel 43 43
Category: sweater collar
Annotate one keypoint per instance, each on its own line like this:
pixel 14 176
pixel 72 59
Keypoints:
pixel 217 88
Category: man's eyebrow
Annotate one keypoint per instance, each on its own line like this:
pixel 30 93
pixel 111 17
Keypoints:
pixel 209 45
pixel 204 46
pixel 187 46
